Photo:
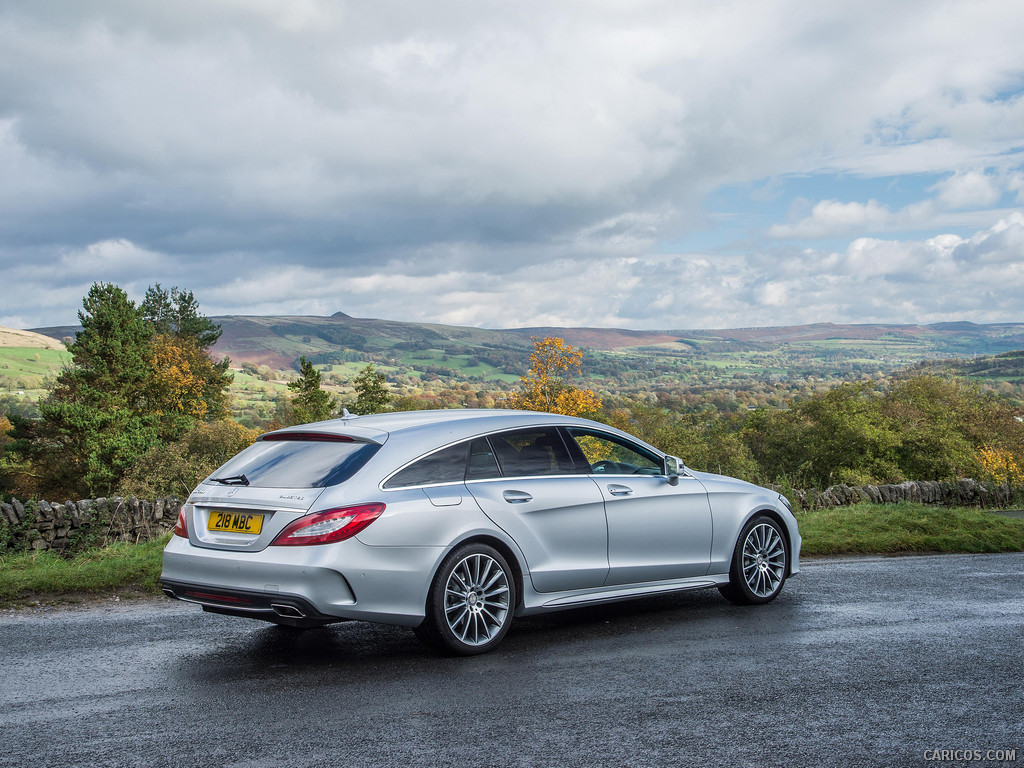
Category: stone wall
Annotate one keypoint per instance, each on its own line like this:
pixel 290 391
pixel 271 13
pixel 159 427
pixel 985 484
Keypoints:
pixel 961 493
pixel 74 525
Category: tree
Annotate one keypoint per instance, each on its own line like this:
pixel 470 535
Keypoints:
pixel 546 387
pixel 372 394
pixel 176 313
pixel 310 402
pixel 139 375
pixel 186 382
pixel 96 420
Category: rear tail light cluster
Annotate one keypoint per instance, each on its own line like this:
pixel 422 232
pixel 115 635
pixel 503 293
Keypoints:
pixel 328 526
pixel 181 527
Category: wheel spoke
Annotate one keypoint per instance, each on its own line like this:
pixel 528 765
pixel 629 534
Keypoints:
pixel 499 590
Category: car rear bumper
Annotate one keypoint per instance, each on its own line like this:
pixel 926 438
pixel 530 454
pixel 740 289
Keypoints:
pixel 324 583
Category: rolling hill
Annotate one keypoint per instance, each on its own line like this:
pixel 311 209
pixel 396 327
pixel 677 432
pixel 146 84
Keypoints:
pixel 729 369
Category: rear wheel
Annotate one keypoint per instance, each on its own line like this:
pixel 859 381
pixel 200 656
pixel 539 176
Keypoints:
pixel 471 601
pixel 759 563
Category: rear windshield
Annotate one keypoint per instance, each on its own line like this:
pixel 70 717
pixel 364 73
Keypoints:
pixel 297 463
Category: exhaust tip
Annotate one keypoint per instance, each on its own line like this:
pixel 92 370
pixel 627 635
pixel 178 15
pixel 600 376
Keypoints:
pixel 170 593
pixel 288 611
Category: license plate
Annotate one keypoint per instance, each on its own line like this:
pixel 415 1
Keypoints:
pixel 235 522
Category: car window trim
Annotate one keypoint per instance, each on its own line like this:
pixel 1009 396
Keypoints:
pixel 566 443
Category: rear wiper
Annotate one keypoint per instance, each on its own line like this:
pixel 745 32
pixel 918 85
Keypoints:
pixel 233 480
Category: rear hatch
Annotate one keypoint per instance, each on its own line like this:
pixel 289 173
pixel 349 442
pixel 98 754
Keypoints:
pixel 246 503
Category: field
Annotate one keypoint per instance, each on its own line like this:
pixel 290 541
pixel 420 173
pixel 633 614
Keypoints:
pixel 727 369
pixel 25 370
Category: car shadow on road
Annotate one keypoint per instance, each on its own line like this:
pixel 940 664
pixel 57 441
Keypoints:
pixel 363 650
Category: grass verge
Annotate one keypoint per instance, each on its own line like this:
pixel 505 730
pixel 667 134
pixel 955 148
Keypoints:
pixel 906 527
pixel 44 576
pixel 860 529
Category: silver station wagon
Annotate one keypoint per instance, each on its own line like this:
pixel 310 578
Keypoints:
pixel 454 522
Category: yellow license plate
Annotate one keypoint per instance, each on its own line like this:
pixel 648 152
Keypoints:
pixel 235 522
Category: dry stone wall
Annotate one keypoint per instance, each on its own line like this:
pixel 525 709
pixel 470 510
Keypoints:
pixel 74 525
pixel 961 493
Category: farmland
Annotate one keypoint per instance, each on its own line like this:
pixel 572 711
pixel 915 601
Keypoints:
pixel 727 369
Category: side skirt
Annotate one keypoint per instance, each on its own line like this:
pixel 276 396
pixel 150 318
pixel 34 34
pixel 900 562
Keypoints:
pixel 537 602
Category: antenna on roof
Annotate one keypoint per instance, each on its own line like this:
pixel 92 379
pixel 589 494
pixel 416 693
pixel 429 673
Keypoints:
pixel 345 414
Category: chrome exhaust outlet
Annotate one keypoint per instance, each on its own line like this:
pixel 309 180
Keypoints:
pixel 170 593
pixel 288 611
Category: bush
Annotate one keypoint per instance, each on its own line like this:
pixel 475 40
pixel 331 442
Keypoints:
pixel 176 468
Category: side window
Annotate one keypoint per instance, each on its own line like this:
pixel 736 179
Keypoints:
pixel 528 452
pixel 445 466
pixel 610 455
pixel 482 464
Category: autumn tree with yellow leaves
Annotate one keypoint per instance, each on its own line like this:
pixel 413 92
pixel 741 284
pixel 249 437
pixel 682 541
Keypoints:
pixel 547 385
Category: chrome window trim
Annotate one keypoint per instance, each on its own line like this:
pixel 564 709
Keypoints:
pixel 517 428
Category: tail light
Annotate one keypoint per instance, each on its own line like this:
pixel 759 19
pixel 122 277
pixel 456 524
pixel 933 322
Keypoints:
pixel 328 526
pixel 181 527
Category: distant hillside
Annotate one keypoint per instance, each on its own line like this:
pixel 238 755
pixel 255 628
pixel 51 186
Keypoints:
pixel 729 369
pixel 278 341
pixel 12 337
pixel 1009 366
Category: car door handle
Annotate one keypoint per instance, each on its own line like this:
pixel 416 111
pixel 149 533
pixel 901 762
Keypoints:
pixel 619 490
pixel 516 497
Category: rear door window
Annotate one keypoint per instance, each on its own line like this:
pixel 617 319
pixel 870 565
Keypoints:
pixel 531 452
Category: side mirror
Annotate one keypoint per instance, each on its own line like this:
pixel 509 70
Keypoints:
pixel 672 465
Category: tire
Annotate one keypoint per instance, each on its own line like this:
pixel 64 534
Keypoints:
pixel 760 563
pixel 470 603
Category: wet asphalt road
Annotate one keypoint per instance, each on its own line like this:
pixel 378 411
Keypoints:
pixel 859 662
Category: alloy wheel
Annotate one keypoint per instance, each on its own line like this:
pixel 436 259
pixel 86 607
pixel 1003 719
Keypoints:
pixel 476 602
pixel 764 560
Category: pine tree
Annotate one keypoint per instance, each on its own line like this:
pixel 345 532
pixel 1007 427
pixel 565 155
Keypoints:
pixel 176 313
pixel 96 417
pixel 310 402
pixel 372 394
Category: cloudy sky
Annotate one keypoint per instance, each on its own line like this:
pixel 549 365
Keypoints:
pixel 602 162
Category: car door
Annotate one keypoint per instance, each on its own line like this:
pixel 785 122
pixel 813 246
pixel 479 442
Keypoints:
pixel 555 515
pixel 656 530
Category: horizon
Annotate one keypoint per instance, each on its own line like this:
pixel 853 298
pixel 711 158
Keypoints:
pixel 39 329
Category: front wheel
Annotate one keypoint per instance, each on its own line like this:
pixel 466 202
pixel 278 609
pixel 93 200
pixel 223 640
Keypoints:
pixel 759 563
pixel 471 601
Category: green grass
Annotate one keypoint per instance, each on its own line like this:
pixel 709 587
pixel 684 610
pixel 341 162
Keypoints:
pixel 905 527
pixel 25 369
pixel 46 576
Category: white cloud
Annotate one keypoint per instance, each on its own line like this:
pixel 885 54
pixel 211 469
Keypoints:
pixel 830 218
pixel 962 199
pixel 968 189
pixel 497 164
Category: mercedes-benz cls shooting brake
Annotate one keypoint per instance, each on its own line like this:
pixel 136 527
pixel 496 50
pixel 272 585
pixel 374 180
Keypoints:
pixel 454 522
